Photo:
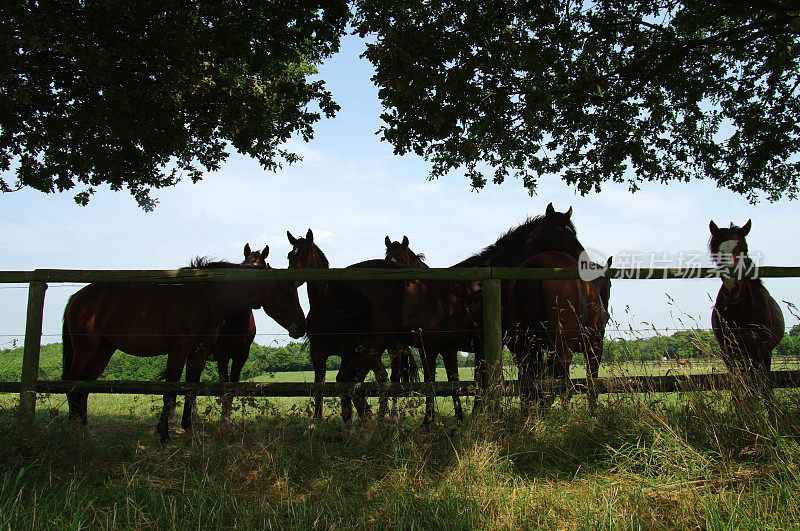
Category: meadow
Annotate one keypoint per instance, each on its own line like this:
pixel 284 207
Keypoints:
pixel 683 460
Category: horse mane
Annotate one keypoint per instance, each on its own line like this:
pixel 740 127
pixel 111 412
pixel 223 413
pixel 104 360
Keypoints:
pixel 322 257
pixel 513 239
pixel 204 262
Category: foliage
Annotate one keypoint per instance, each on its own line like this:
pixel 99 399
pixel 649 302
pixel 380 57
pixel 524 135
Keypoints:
pixel 651 90
pixel 118 92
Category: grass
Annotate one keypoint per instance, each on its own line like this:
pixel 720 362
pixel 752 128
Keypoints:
pixel 695 461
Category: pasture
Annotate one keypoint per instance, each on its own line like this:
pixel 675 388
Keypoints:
pixel 685 460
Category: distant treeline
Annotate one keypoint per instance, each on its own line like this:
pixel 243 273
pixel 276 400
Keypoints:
pixel 262 360
pixel 683 345
pixel 294 357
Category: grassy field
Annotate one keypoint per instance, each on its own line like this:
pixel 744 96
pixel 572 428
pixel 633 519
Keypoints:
pixel 690 460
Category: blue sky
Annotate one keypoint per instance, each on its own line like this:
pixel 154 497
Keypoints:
pixel 352 191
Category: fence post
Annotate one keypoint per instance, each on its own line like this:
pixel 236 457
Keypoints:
pixel 30 360
pixel 492 334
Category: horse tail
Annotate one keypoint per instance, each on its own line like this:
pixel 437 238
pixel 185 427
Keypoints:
pixel 67 351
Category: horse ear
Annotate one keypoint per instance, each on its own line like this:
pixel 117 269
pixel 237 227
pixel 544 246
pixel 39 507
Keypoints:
pixel 246 250
pixel 746 227
pixel 310 236
pixel 608 262
pixel 265 252
pixel 292 239
pixel 550 210
pixel 405 240
pixel 713 227
pixel 388 242
pixel 569 213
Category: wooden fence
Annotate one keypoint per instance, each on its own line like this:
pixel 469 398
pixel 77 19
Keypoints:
pixel 490 277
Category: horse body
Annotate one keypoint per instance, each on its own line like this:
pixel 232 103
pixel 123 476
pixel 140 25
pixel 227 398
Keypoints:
pixel 747 322
pixel 233 343
pixel 449 314
pixel 354 319
pixel 182 321
pixel 401 253
pixel 544 315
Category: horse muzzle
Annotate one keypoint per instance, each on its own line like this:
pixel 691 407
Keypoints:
pixel 731 289
pixel 297 331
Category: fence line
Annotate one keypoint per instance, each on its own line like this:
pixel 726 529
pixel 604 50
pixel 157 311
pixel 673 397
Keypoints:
pixel 491 287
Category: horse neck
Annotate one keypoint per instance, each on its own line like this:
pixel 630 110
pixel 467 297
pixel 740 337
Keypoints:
pixel 318 288
pixel 234 297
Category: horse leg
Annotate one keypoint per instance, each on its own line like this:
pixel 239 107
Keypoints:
pixel 593 353
pixel 762 374
pixel 85 347
pixel 318 360
pixel 171 374
pixel 429 371
pixel 396 362
pixel 224 377
pixel 92 371
pixel 381 376
pixel 345 375
pixel 359 368
pixel 450 357
pixel 194 368
pixel 526 367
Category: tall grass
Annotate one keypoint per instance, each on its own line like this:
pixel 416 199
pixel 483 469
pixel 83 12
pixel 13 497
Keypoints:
pixel 699 459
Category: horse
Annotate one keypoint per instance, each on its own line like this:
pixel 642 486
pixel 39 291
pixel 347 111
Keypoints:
pixel 180 320
pixel 554 231
pixel 400 252
pixel 356 320
pixel 449 314
pixel 747 322
pixel 237 334
pixel 560 317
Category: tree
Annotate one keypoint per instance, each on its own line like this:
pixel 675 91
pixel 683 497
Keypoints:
pixel 649 90
pixel 134 94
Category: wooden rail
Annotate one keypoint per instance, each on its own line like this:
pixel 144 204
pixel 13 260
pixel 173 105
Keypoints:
pixel 618 384
pixel 491 285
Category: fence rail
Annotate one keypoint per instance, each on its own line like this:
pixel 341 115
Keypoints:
pixel 618 384
pixel 491 287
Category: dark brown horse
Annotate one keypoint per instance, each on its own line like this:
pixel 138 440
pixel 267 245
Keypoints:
pixel 356 320
pixel 238 332
pixel 400 252
pixel 180 320
pixel 449 314
pixel 556 317
pixel 233 344
pixel 747 322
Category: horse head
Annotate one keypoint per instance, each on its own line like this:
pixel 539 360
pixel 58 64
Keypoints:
pixel 305 253
pixel 255 258
pixel 556 232
pixel 400 253
pixel 278 299
pixel 728 248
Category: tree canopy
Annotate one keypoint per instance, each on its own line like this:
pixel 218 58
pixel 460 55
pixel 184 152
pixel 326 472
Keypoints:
pixel 648 90
pixel 137 94
pixel 134 94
